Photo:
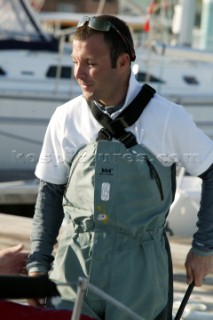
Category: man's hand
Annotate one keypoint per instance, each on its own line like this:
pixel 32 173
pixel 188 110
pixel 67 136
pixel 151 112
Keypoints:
pixel 197 268
pixel 13 260
pixel 36 302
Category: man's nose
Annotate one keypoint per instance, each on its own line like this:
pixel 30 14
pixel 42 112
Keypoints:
pixel 79 71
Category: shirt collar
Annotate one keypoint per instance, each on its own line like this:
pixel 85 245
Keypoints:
pixel 133 90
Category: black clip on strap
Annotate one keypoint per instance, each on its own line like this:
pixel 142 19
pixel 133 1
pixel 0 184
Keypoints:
pixel 104 134
pixel 128 138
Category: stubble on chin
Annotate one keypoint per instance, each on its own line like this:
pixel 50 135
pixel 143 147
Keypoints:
pixel 88 96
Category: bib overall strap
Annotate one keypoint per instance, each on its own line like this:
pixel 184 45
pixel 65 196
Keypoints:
pixel 116 128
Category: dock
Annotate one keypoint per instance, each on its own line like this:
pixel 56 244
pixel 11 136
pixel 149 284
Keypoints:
pixel 18 187
pixel 14 230
pixel 22 192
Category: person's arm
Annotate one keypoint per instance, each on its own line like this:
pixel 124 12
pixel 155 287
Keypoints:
pixel 13 260
pixel 47 221
pixel 199 261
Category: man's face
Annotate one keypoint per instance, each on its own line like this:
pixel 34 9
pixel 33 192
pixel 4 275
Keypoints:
pixel 93 69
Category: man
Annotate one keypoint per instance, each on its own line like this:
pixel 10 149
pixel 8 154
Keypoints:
pixel 116 195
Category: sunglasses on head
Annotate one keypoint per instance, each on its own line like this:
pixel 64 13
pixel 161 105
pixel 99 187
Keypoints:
pixel 101 24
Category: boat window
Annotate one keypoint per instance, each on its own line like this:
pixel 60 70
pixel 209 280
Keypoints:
pixel 145 77
pixel 190 80
pixel 2 72
pixel 65 72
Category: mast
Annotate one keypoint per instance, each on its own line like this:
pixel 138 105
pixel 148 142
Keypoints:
pixel 183 21
pixel 207 25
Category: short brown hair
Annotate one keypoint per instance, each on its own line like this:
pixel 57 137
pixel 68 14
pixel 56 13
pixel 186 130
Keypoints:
pixel 118 44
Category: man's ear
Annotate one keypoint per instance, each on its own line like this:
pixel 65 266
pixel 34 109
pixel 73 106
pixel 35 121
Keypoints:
pixel 123 61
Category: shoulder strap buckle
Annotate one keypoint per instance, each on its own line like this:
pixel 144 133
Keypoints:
pixel 104 134
pixel 128 139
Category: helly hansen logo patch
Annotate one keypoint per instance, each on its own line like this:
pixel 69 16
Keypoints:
pixel 106 172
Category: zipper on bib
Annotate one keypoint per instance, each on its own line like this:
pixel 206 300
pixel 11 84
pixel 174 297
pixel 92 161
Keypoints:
pixel 154 175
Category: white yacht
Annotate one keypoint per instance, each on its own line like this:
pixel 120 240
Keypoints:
pixel 35 77
pixel 183 75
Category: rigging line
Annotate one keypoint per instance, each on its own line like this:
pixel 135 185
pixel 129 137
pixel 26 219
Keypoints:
pixel 14 136
pixel 23 121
